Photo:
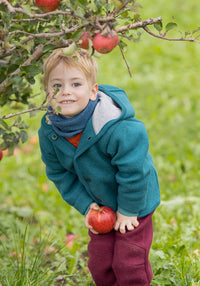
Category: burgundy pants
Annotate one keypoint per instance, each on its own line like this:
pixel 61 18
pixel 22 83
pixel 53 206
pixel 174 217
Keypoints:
pixel 117 259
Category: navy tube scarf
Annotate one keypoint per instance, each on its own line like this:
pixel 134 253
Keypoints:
pixel 69 127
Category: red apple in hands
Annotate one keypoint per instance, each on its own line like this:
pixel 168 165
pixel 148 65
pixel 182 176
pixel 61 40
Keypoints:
pixel 1 155
pixel 105 43
pixel 47 5
pixel 102 219
pixel 84 40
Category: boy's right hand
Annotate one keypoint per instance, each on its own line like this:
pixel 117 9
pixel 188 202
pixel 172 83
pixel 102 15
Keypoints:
pixel 124 223
pixel 92 206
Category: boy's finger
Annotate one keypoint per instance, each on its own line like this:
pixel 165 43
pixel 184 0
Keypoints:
pixel 122 228
pixel 116 226
pixel 92 230
pixel 130 226
pixel 136 223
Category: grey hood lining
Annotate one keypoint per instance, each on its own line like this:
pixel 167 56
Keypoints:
pixel 107 109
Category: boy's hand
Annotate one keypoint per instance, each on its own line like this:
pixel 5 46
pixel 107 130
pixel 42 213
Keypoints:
pixel 92 206
pixel 124 223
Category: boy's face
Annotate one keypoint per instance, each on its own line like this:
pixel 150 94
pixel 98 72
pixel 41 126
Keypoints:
pixel 69 89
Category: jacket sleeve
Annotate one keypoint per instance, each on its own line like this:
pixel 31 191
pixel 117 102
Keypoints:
pixel 128 148
pixel 67 183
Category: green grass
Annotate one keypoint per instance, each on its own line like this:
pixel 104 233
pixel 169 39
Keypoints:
pixel 35 222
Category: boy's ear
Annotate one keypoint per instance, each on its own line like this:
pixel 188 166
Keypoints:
pixel 94 91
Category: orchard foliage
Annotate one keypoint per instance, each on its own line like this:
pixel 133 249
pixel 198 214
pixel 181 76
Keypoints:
pixel 28 35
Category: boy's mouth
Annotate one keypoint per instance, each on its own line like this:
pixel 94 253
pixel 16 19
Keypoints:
pixel 66 101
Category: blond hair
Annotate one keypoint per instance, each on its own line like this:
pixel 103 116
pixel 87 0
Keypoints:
pixel 80 60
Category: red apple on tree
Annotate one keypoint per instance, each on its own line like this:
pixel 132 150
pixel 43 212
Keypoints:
pixel 1 155
pixel 102 219
pixel 105 42
pixel 84 40
pixel 47 5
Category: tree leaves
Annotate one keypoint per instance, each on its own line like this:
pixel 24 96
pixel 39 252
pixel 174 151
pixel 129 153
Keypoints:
pixel 31 71
pixel 11 135
pixel 169 26
pixel 27 35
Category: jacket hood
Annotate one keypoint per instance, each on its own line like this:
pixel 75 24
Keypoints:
pixel 113 104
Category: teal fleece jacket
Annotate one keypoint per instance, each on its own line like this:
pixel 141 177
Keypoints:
pixel 111 166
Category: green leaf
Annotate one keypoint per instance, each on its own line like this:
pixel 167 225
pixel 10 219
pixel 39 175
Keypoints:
pixel 23 125
pixel 18 44
pixel 123 44
pixel 68 51
pixel 31 80
pixel 137 18
pixel 92 7
pixel 158 26
pixel 29 45
pixel 76 36
pixel 58 109
pixel 27 8
pixel 170 26
pixel 4 125
pixel 48 47
pixel 23 136
pixel 31 70
pixel 6 18
pixel 83 2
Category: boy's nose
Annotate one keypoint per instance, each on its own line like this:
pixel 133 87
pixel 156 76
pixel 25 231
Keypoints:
pixel 66 90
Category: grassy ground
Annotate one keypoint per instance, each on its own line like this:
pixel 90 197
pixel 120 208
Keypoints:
pixel 44 242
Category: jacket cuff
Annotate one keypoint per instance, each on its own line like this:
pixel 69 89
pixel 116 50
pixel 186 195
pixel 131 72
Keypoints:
pixel 87 209
pixel 127 213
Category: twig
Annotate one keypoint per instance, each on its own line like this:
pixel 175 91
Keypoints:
pixel 25 111
pixel 125 59
pixel 141 24
pixel 170 39
pixel 34 17
pixel 11 9
pixel 121 7
pixel 27 20
pixel 47 35
pixel 41 107
pixel 4 62
pixel 40 17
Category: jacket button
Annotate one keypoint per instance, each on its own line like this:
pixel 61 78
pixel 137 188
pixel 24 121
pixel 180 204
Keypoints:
pixel 54 137
pixel 88 179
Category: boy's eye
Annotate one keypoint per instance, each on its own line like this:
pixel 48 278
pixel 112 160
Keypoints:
pixel 76 84
pixel 57 85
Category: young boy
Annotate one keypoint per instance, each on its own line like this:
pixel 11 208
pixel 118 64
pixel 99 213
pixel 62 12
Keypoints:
pixel 96 153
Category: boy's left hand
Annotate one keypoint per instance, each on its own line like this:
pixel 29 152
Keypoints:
pixel 124 223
